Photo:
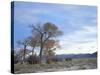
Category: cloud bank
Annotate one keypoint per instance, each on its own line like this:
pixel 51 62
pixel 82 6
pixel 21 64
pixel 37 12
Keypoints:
pixel 77 22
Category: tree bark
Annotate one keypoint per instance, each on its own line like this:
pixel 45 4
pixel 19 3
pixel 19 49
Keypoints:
pixel 24 54
pixel 41 48
pixel 33 55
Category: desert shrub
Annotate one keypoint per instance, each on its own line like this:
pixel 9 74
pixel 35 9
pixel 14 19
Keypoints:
pixel 48 61
pixel 52 60
pixel 55 60
pixel 16 59
pixel 33 59
pixel 68 59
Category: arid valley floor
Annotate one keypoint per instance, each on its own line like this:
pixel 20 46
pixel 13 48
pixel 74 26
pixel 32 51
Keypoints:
pixel 74 64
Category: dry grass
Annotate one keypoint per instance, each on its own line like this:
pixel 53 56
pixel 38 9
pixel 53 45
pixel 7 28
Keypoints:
pixel 75 64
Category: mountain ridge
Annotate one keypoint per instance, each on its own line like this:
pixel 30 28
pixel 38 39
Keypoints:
pixel 88 55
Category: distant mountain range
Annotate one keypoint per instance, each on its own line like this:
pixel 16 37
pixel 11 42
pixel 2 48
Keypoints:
pixel 64 56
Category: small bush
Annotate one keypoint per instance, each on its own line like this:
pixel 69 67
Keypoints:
pixel 33 59
pixel 68 59
pixel 52 60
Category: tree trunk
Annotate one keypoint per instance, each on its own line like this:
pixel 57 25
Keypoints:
pixel 41 48
pixel 41 53
pixel 42 44
pixel 24 54
pixel 33 51
pixel 33 55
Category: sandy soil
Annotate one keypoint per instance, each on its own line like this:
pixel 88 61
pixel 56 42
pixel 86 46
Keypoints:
pixel 75 64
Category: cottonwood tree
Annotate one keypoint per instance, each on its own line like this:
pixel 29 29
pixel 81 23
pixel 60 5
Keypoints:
pixel 19 55
pixel 45 32
pixel 33 42
pixel 24 50
pixel 50 46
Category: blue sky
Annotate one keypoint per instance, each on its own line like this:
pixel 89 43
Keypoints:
pixel 77 22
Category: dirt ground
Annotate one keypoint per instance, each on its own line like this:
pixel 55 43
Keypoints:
pixel 74 64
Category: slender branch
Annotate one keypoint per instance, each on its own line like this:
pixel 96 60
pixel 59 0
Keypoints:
pixel 37 29
pixel 46 39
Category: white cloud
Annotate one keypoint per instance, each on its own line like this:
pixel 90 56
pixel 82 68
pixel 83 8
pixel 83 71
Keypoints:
pixel 78 41
pixel 76 48
pixel 90 29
